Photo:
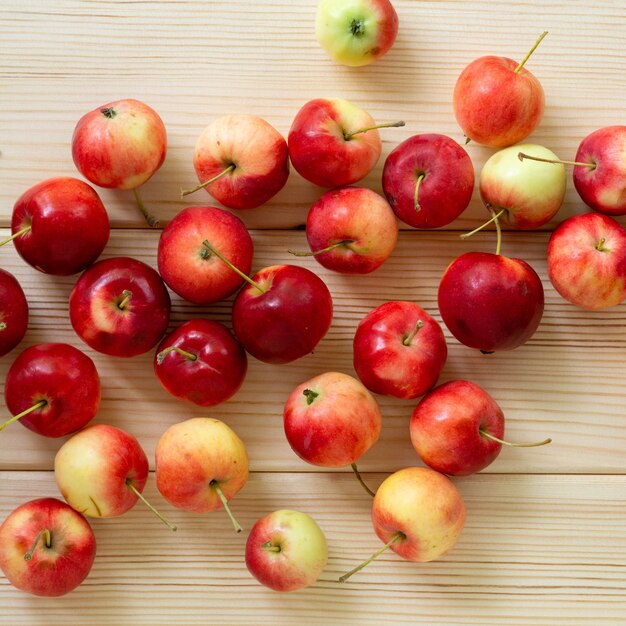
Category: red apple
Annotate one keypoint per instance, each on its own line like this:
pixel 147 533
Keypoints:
pixel 587 261
pixel 331 420
pixel 286 550
pixel 241 160
pixel 59 226
pixel 491 302
pixel 356 32
pixel 120 307
pixel 200 465
pixel 428 180
pixel 418 513
pixel 333 142
pixel 46 547
pixel 603 185
pixel 201 362
pixel 351 230
pixel 458 429
pixel 283 315
pixel 119 145
pixel 189 268
pixel 497 101
pixel 101 472
pixel 13 312
pixel 53 389
pixel 399 350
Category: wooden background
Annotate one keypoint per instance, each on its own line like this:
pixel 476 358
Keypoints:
pixel 545 540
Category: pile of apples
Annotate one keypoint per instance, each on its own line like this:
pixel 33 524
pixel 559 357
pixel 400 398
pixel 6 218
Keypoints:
pixel 121 307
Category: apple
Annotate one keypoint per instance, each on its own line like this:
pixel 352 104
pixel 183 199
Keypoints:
pixel 59 226
pixel 120 145
pixel 332 420
pixel 101 472
pixel 523 192
pixel 13 312
pixel 46 547
pixel 53 389
pixel 351 230
pixel 200 465
pixel 399 350
pixel 189 268
pixel 286 550
pixel 418 513
pixel 201 362
pixel 428 180
pixel 282 314
pixel 241 160
pixel 333 143
pixel 356 32
pixel 458 429
pixel 497 101
pixel 120 306
pixel 587 260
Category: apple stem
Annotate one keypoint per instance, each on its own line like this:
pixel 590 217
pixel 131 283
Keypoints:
pixel 514 445
pixel 310 395
pixel 374 556
pixel 599 246
pixel 220 256
pixel 360 479
pixel 420 178
pixel 2 326
pixel 498 230
pixel 47 540
pixel 493 219
pixel 152 221
pixel 39 405
pixel 348 136
pixel 270 547
pixel 125 300
pixel 521 156
pixel 521 65
pixel 222 497
pixel 19 233
pixel 226 170
pixel 188 355
pixel 407 340
pixel 345 242
pixel 138 493
pixel 467 139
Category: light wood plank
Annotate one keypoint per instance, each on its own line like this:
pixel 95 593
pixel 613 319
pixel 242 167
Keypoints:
pixel 546 550
pixel 194 61
pixel 567 383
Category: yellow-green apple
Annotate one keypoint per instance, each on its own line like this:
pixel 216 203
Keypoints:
pixel 46 547
pixel 351 230
pixel 201 464
pixel 286 550
pixel 59 226
pixel 490 301
pixel 497 101
pixel 523 192
pixel 13 312
pixel 53 389
pixel 587 260
pixel 202 362
pixel 428 180
pixel 399 350
pixel 282 314
pixel 458 429
pixel 101 472
pixel 241 160
pixel 189 268
pixel 356 32
pixel 418 513
pixel 120 306
pixel 120 145
pixel 332 142
pixel 332 420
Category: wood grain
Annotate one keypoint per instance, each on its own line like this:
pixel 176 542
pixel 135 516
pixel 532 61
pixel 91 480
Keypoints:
pixel 546 550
